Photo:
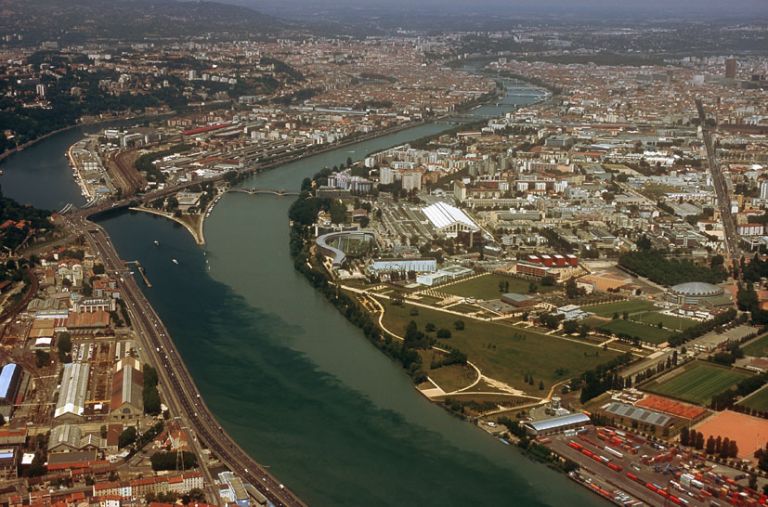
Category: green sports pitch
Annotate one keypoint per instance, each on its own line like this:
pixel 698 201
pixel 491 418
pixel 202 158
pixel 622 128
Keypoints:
pixel 698 382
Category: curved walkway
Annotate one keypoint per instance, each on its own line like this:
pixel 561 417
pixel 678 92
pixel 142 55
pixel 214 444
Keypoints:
pixel 438 391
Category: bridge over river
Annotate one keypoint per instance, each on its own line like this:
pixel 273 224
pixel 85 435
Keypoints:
pixel 258 191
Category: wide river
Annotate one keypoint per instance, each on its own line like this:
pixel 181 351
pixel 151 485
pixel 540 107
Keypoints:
pixel 296 385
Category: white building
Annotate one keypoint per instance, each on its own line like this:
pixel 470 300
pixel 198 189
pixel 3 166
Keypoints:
pixel 74 384
pixel 449 220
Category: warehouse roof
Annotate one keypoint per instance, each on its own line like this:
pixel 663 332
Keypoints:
pixel 74 384
pixel 65 434
pixel 637 414
pixel 559 422
pixel 444 215
pixel 6 377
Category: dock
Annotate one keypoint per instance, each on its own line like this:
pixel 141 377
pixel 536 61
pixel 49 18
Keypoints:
pixel 142 272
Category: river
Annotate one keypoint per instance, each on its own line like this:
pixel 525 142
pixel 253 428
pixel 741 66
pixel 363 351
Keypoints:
pixel 296 385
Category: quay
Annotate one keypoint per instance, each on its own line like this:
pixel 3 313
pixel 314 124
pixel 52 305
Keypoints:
pixel 142 272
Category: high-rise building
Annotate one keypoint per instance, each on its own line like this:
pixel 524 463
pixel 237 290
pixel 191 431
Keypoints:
pixel 730 68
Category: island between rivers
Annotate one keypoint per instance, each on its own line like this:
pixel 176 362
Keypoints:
pixel 294 383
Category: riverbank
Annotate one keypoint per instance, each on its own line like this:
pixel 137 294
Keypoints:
pixel 28 144
pixel 77 173
pixel 195 229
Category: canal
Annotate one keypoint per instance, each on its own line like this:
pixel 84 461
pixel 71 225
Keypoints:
pixel 296 385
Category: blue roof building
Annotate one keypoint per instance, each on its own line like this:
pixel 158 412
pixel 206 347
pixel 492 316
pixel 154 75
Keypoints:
pixel 9 383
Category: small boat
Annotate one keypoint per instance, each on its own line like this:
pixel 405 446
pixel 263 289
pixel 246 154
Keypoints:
pixel 157 243
pixel 174 261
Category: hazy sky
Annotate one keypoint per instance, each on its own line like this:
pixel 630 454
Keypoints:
pixel 611 8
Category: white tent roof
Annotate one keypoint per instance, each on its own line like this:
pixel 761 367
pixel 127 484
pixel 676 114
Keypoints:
pixel 444 215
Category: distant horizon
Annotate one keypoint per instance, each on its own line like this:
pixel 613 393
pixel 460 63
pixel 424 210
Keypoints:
pixel 574 9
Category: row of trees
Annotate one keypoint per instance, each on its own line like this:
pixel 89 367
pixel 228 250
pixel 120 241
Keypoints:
pixel 748 301
pixel 727 398
pixel 600 379
pixel 654 265
pixel 723 447
pixel 150 393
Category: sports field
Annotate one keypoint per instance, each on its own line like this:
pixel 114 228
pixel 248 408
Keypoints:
pixel 668 321
pixel 749 432
pixel 631 306
pixel 505 352
pixel 651 334
pixel 757 347
pixel 757 400
pixel 697 383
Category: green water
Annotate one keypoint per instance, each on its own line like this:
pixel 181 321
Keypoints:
pixel 296 385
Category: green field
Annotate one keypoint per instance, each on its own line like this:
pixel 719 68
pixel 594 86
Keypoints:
pixel 650 334
pixel 698 382
pixel 487 287
pixel 668 321
pixel 758 400
pixel 757 347
pixel 608 309
pixel 505 352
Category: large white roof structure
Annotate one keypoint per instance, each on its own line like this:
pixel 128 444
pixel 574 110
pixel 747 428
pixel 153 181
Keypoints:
pixel 74 385
pixel 447 218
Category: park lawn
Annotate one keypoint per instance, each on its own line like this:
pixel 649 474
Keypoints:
pixel 650 334
pixel 758 400
pixel 631 306
pixel 757 347
pixel 505 352
pixel 487 287
pixel 698 382
pixel 668 321
pixel 453 377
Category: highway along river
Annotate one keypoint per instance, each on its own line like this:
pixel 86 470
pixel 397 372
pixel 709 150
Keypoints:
pixel 297 386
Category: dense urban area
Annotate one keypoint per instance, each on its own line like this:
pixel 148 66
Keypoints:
pixel 582 277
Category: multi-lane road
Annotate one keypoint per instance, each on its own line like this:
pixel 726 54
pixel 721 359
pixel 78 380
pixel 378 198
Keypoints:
pixel 721 190
pixel 179 390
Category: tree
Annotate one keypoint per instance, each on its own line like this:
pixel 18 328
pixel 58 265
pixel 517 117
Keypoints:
pixel 643 243
pixel 699 441
pixel 458 325
pixel 430 327
pixel 443 334
pixel 127 437
pixel 570 327
pixel 548 281
pixel 684 436
pixel 150 393
pixel 733 449
pixel 571 289
pixel 42 358
pixel 64 344
pixel 172 203
pixel 338 212
pixel 710 447
pixel 541 385
pixel 167 460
